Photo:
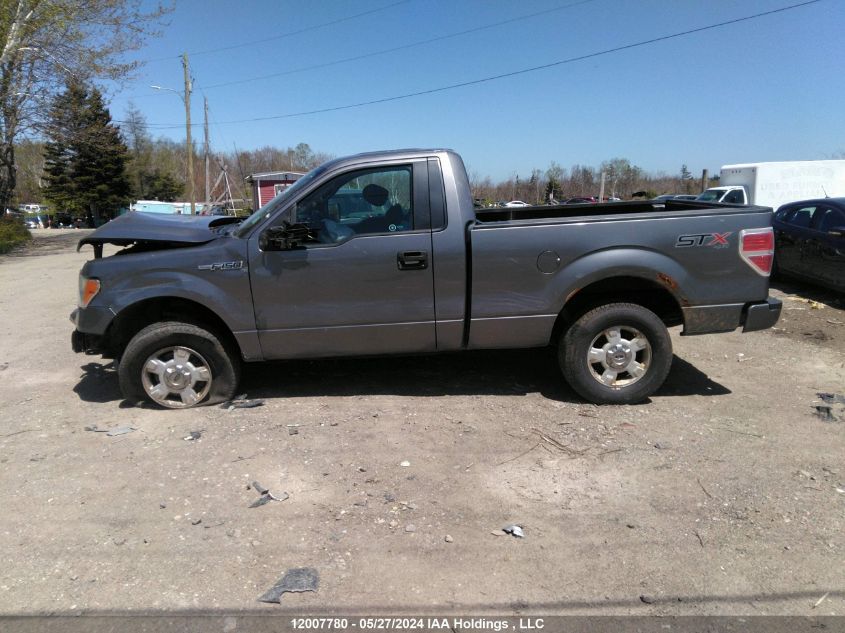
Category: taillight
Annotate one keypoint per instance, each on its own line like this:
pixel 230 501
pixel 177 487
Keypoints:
pixel 757 247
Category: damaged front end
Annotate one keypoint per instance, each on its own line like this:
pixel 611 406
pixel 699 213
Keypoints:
pixel 142 232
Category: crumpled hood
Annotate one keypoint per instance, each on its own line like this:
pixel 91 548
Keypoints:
pixel 139 226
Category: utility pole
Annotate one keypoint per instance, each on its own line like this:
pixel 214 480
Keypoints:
pixel 205 127
pixel 601 188
pixel 188 143
pixel 704 180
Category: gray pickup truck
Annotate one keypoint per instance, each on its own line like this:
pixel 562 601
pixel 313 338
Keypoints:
pixel 384 253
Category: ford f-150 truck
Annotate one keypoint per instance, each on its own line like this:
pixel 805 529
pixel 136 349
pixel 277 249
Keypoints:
pixel 384 253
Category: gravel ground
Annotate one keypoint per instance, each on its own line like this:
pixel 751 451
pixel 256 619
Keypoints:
pixel 725 494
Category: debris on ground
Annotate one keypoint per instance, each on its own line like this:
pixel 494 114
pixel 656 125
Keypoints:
pixel 196 521
pixel 194 435
pixel 824 413
pixel 646 599
pixel 241 402
pixel 118 430
pixel 405 463
pixel 293 431
pixel 497 532
pixel 266 495
pixel 295 580
pixel 820 600
pixel 831 398
pixel 514 530
pixel 410 528
pixel 449 538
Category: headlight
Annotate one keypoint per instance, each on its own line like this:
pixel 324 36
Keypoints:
pixel 88 289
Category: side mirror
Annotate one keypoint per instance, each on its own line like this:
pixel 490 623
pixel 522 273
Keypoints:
pixel 284 237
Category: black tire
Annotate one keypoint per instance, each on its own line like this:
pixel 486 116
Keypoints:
pixel 221 359
pixel 651 363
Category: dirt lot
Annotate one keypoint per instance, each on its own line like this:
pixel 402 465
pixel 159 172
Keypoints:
pixel 723 495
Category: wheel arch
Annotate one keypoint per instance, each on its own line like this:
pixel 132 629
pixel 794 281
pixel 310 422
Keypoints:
pixel 136 316
pixel 655 294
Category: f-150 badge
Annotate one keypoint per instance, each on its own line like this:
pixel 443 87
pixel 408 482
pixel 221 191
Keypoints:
pixel 222 266
pixel 716 240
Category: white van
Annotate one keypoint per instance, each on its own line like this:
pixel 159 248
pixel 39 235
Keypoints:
pixel 775 184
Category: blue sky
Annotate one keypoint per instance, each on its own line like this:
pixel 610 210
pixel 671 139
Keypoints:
pixel 772 88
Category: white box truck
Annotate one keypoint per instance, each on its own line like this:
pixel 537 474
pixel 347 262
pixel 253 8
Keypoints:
pixel 775 184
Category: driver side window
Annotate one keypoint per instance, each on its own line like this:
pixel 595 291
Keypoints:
pixel 362 202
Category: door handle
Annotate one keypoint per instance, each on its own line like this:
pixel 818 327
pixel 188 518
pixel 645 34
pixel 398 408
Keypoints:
pixel 412 260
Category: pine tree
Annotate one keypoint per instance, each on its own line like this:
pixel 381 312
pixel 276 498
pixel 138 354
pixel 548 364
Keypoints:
pixel 85 157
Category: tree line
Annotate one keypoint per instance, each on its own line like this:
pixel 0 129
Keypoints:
pixel 87 164
pixel 623 180
pixel 44 46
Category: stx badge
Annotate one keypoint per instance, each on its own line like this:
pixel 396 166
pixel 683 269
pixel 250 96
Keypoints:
pixel 716 240
pixel 222 266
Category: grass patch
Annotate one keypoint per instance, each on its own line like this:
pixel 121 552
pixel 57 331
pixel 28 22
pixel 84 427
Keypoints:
pixel 12 233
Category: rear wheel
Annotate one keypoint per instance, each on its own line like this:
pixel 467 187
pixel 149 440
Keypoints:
pixel 178 365
pixel 619 353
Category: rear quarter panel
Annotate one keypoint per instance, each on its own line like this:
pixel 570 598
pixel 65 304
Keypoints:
pixel 514 303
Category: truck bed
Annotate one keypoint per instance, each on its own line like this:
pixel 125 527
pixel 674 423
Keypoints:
pixel 636 207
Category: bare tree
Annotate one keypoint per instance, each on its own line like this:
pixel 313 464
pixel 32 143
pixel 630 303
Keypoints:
pixel 45 42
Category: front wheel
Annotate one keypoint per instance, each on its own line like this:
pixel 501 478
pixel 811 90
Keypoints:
pixel 619 353
pixel 178 365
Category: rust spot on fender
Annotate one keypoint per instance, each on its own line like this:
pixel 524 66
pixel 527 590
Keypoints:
pixel 667 281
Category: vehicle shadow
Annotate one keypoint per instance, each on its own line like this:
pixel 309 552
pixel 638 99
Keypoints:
pixel 493 373
pixel 486 373
pixel 98 383
pixel 791 286
pixel 685 379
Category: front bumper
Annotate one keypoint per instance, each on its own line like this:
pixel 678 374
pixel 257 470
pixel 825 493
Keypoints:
pixel 753 316
pixel 91 325
pixel 82 343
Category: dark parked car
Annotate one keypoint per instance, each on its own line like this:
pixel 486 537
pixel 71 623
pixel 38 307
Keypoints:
pixel 59 221
pixel 580 201
pixel 810 241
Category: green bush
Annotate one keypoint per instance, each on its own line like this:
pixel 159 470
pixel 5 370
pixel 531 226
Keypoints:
pixel 12 233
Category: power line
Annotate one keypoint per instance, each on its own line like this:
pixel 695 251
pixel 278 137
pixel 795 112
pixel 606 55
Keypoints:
pixel 400 48
pixel 283 35
pixel 514 73
pixel 386 50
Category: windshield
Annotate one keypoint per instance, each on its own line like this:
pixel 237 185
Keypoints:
pixel 279 201
pixel 711 195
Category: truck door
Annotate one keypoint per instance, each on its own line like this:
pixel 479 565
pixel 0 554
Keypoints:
pixel 735 196
pixel 362 282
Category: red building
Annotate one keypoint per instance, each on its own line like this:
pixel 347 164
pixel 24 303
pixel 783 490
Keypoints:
pixel 268 185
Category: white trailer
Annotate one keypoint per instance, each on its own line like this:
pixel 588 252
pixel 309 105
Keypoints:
pixel 774 184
